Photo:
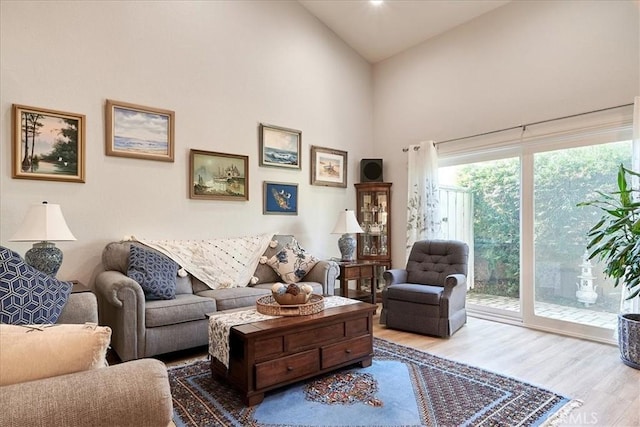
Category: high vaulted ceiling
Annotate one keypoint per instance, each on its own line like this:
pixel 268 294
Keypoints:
pixel 379 31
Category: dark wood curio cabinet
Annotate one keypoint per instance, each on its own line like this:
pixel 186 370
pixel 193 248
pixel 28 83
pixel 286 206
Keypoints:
pixel 374 216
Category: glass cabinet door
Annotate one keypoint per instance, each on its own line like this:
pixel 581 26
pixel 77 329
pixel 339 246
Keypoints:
pixel 374 216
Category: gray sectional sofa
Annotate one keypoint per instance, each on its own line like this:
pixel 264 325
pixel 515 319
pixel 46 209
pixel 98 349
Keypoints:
pixel 143 328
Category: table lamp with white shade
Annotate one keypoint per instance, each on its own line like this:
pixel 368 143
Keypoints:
pixel 347 225
pixel 44 224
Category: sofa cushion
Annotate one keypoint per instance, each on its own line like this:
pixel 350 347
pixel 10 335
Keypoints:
pixel 27 295
pixel 229 298
pixel 264 273
pixel 31 352
pixel 184 308
pixel 292 263
pixel 183 285
pixel 155 272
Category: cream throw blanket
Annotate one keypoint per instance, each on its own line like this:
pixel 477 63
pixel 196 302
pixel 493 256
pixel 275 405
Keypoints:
pixel 219 263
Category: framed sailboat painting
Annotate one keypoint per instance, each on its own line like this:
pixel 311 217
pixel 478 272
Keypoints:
pixel 218 176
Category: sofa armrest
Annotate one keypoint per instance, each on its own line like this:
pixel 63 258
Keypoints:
pixel 112 287
pixel 324 272
pixel 80 308
pixel 135 393
pixel 394 276
pixel 121 306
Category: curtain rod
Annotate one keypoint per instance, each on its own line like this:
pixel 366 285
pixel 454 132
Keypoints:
pixel 523 126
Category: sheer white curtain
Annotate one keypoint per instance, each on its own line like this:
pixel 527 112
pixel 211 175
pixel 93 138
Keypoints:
pixel 423 204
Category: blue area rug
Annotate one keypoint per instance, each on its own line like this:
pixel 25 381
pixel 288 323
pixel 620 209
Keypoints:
pixel 403 387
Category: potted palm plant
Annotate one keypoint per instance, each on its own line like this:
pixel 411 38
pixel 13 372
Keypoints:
pixel 615 240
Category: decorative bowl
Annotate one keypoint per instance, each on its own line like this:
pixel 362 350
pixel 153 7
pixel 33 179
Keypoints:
pixel 290 299
pixel 291 294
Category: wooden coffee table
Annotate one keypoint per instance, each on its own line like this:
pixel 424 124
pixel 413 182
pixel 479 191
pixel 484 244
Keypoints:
pixel 272 353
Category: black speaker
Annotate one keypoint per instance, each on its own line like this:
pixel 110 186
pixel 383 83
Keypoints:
pixel 371 170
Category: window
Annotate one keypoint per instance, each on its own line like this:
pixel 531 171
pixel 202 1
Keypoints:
pixel 527 235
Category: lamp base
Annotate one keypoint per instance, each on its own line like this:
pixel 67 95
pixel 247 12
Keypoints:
pixel 347 245
pixel 44 256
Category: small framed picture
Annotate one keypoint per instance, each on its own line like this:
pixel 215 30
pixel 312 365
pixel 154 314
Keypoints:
pixel 328 167
pixel 280 147
pixel 139 132
pixel 280 198
pixel 48 144
pixel 218 176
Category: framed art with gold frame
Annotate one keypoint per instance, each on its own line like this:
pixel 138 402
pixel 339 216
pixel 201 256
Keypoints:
pixel 139 132
pixel 48 144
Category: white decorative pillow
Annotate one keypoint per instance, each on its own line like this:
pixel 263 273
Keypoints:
pixel 32 352
pixel 292 263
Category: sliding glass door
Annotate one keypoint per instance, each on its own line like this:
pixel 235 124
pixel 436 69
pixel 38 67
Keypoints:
pixel 528 235
pixel 492 216
pixel 567 286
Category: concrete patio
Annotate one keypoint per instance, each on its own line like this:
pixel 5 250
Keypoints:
pixel 553 311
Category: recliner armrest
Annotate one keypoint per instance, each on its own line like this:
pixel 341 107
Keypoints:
pixel 454 280
pixel 454 294
pixel 394 276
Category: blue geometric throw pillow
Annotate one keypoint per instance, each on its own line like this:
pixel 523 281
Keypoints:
pixel 155 272
pixel 27 295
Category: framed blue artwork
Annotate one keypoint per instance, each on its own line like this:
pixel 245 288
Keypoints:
pixel 280 198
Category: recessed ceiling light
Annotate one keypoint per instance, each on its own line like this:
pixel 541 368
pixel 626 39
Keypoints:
pixel 376 2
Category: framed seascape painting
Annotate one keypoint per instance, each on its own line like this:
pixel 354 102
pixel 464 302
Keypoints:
pixel 280 198
pixel 218 176
pixel 139 132
pixel 280 147
pixel 48 144
pixel 328 167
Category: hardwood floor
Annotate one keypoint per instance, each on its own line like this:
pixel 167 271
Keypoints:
pixel 579 369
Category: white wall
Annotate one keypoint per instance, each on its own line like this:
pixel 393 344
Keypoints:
pixel 524 62
pixel 223 67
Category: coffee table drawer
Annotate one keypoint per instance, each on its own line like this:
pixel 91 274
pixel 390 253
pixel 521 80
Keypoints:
pixel 342 352
pixel 286 368
pixel 303 340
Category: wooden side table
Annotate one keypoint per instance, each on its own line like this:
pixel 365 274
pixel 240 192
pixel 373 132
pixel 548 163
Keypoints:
pixel 358 270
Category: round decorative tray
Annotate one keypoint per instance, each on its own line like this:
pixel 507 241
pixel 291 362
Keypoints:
pixel 268 305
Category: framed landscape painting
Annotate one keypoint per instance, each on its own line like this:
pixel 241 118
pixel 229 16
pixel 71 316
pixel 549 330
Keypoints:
pixel 280 147
pixel 139 132
pixel 280 198
pixel 328 167
pixel 218 176
pixel 48 144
